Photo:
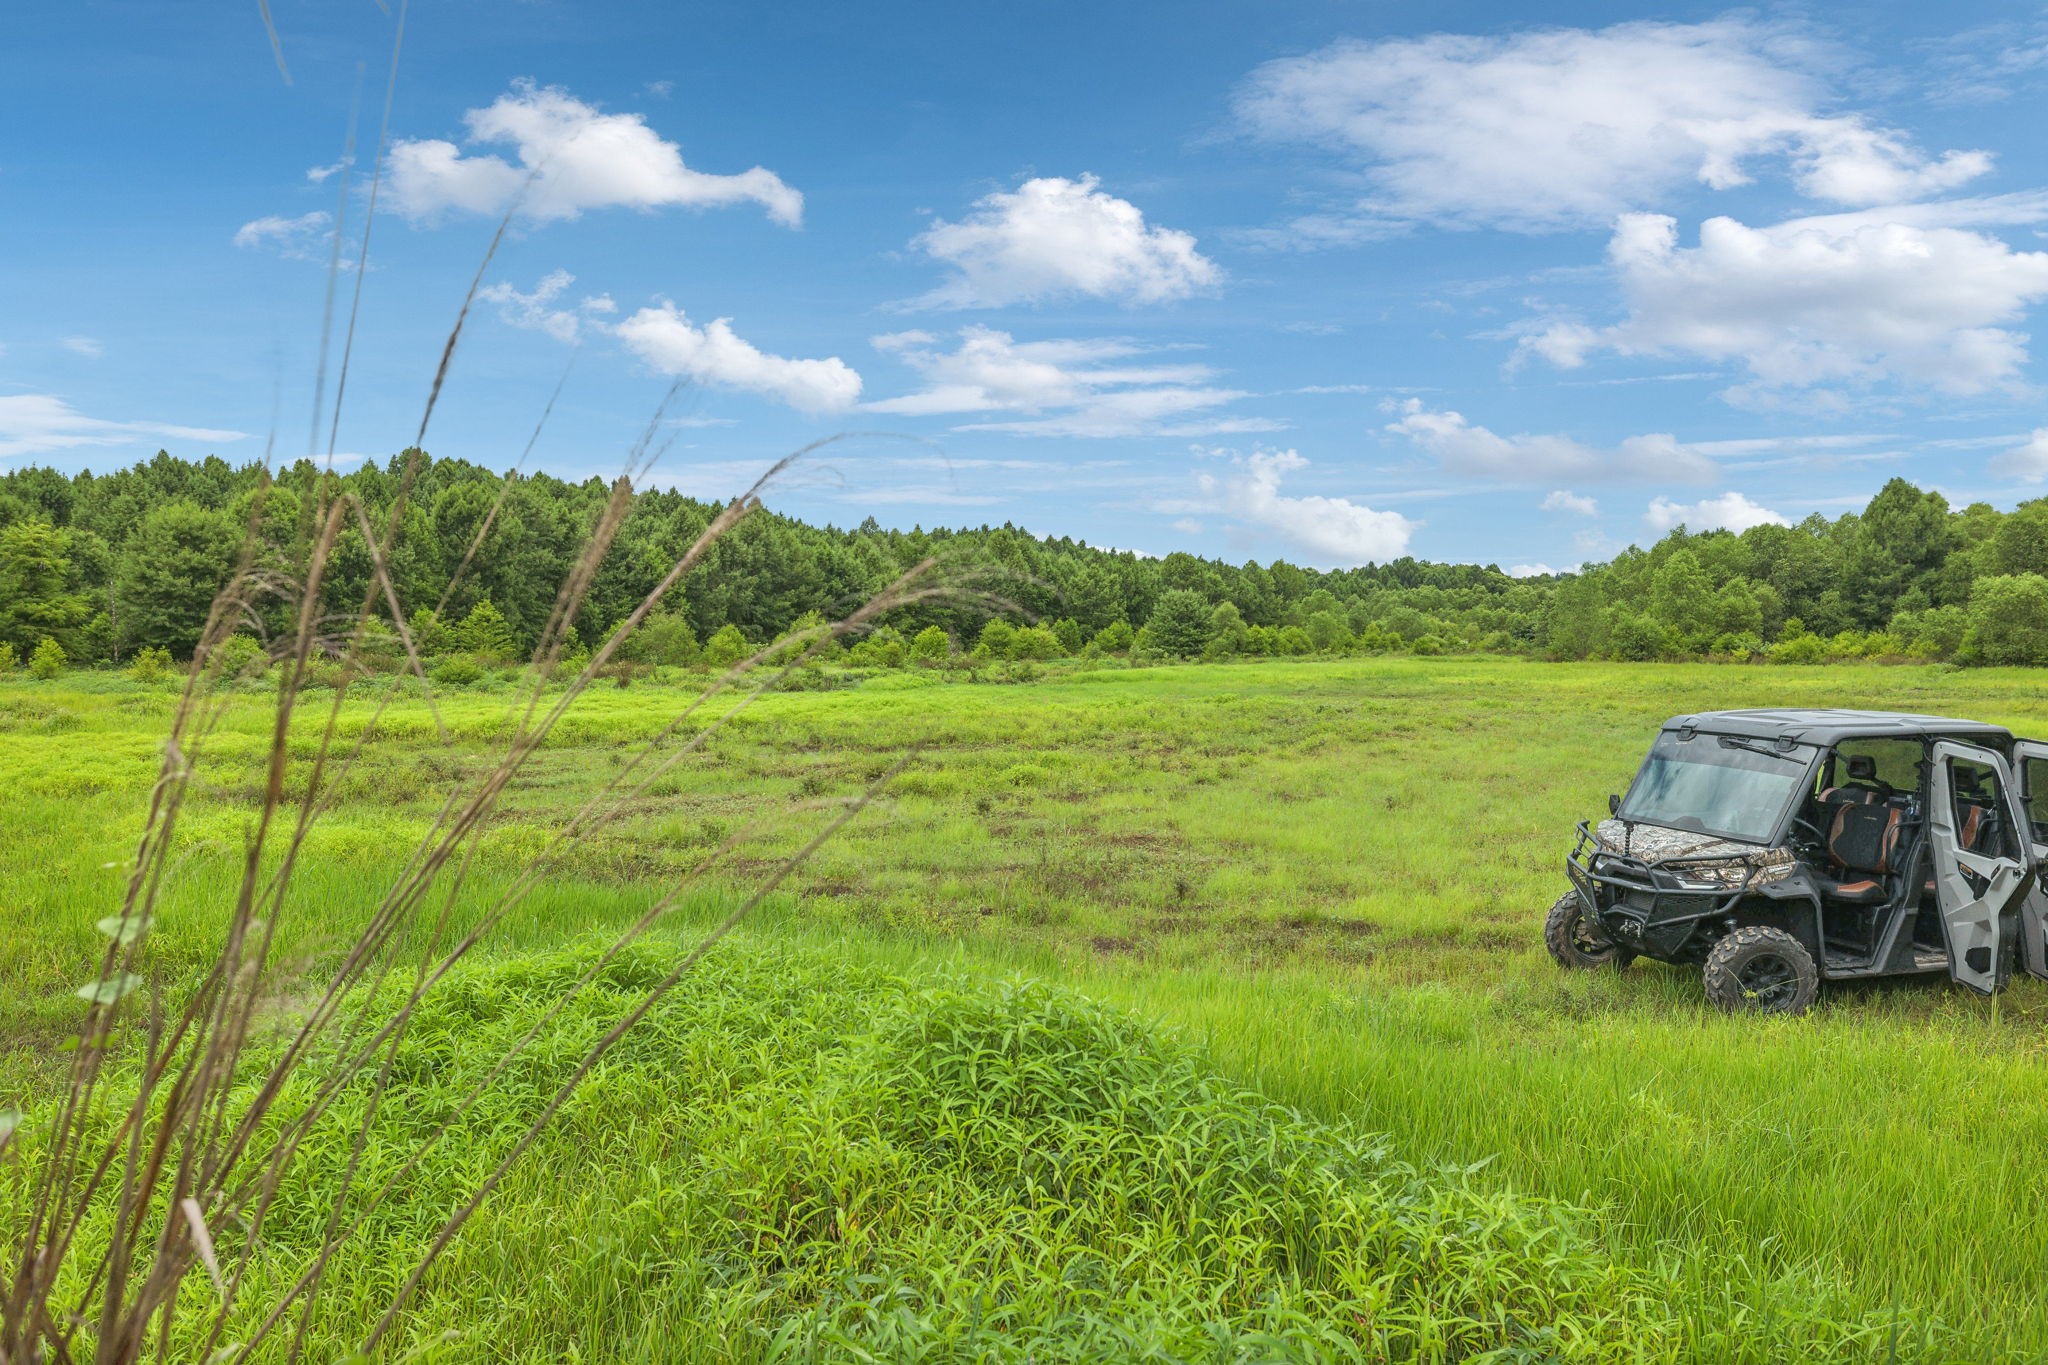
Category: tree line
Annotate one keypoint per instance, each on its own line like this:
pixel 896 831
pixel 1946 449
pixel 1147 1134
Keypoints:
pixel 96 568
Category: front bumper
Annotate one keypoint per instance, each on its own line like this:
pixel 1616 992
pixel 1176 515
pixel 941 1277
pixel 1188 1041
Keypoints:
pixel 1656 910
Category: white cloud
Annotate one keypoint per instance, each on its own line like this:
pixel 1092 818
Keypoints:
pixel 1535 571
pixel 1729 512
pixel 303 238
pixel 1060 387
pixel 1556 128
pixel 1983 64
pixel 1058 238
pixel 1463 448
pixel 1327 531
pixel 88 347
pixel 570 158
pixel 2027 462
pixel 319 175
pixel 1563 501
pixel 537 311
pixel 1849 298
pixel 41 423
pixel 670 343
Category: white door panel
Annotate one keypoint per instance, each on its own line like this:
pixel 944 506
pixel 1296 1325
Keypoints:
pixel 1978 892
pixel 2030 762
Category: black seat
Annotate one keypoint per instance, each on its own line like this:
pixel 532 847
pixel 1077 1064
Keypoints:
pixel 1862 841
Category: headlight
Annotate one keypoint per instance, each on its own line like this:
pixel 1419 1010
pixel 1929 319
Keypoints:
pixel 1735 873
pixel 1714 876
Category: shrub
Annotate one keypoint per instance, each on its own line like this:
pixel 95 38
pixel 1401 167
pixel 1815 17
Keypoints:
pixel 664 639
pixel 48 660
pixel 455 670
pixel 152 663
pixel 931 646
pixel 995 639
pixel 1637 638
pixel 1116 638
pixel 1226 632
pixel 431 636
pixel 1070 636
pixel 883 649
pixel 1293 640
pixel 1328 631
pixel 1799 649
pixel 810 636
pixel 726 647
pixel 9 660
pixel 1741 646
pixel 1035 642
pixel 2009 619
pixel 1428 645
pixel 239 656
pixel 1936 633
pixel 1376 639
pixel 378 646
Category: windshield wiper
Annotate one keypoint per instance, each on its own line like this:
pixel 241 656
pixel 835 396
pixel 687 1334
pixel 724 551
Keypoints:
pixel 1750 746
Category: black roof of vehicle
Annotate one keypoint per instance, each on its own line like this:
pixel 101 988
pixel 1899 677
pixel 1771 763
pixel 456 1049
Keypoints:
pixel 1832 727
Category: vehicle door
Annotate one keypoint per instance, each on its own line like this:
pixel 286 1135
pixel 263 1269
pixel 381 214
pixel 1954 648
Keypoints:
pixel 1981 871
pixel 2030 758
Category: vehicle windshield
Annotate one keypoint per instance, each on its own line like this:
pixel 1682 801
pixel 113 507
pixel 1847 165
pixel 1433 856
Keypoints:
pixel 1733 787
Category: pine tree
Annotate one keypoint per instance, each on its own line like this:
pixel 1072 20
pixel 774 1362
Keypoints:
pixel 486 634
pixel 1179 624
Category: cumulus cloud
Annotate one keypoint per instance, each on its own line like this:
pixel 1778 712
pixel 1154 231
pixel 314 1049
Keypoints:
pixel 303 238
pixel 539 310
pixel 1729 512
pixel 1102 387
pixel 2027 462
pixel 1847 298
pixel 570 157
pixel 1559 128
pixel 1326 531
pixel 1563 501
pixel 1463 447
pixel 1058 238
pixel 671 344
pixel 41 423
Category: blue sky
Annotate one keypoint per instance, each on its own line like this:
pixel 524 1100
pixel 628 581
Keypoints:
pixel 1324 281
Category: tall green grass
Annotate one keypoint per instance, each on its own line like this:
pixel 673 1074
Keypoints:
pixel 797 1158
pixel 1327 877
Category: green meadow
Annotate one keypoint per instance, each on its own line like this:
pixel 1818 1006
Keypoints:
pixel 1278 920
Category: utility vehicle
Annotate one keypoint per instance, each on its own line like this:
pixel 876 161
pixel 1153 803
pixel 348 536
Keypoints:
pixel 1776 849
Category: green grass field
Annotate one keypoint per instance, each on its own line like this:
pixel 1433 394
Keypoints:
pixel 1326 879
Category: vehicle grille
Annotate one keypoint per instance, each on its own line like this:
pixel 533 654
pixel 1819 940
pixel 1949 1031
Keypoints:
pixel 1667 905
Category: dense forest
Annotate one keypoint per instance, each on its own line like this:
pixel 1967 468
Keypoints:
pixel 97 567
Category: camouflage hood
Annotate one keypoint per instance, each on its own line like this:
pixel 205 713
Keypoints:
pixel 1657 844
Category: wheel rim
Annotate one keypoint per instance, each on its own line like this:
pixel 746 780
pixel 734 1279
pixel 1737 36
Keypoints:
pixel 1587 941
pixel 1770 981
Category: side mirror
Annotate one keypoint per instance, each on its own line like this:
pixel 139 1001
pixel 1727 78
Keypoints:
pixel 1613 804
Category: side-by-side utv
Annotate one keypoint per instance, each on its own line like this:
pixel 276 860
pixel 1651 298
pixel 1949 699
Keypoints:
pixel 1780 849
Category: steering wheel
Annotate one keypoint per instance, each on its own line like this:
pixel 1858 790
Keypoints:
pixel 1820 839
